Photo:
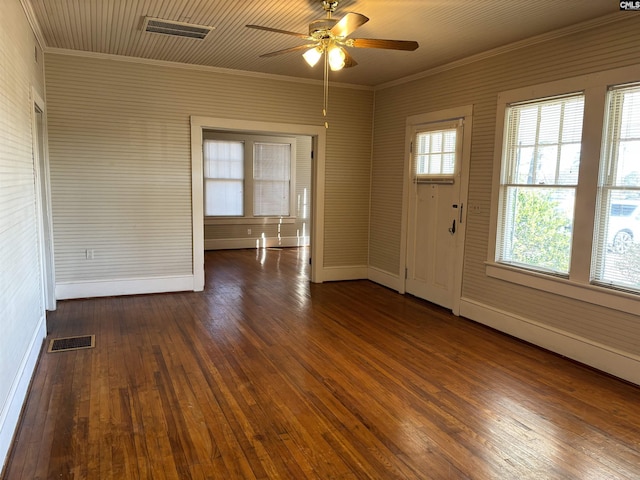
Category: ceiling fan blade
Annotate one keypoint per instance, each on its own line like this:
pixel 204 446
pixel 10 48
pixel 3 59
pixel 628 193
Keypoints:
pixel 276 30
pixel 349 61
pixel 348 24
pixel 409 45
pixel 287 50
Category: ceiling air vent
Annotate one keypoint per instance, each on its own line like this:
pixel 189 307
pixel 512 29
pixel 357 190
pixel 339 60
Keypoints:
pixel 177 29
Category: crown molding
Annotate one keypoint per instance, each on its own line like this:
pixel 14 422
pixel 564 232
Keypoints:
pixel 545 37
pixel 33 22
pixel 203 68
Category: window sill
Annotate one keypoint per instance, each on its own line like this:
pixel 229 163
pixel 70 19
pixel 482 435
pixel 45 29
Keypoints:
pixel 248 220
pixel 594 294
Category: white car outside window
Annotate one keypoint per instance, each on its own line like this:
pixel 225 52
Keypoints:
pixel 624 226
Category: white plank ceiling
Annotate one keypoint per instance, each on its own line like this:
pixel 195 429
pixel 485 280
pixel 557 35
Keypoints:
pixel 447 30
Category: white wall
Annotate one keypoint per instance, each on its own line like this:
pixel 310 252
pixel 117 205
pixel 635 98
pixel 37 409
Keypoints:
pixel 22 315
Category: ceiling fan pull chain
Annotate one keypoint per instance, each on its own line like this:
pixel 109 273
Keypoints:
pixel 328 37
pixel 325 105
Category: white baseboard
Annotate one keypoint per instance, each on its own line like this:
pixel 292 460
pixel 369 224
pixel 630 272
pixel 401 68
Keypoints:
pixel 620 364
pixel 266 242
pixel 10 415
pixel 134 286
pixel 337 274
pixel 386 279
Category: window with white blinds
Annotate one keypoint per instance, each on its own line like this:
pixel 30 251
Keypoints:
pixel 223 178
pixel 540 163
pixel 566 214
pixel 248 176
pixel 616 253
pixel 271 179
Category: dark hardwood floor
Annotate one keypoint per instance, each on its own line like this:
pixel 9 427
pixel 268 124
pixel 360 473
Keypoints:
pixel 265 375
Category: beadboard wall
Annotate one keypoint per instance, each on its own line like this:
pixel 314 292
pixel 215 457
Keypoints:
pixel 119 141
pixel 22 314
pixel 581 330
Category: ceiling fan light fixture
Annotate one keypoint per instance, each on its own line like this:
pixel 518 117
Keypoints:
pixel 312 56
pixel 328 36
pixel 337 57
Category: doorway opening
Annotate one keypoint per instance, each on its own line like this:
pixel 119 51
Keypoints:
pixel 312 139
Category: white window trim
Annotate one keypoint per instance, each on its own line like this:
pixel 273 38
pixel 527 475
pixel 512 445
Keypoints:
pixel 249 220
pixel 595 294
pixel 577 285
pixel 200 124
pixel 249 140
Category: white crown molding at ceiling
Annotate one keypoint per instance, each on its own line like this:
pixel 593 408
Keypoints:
pixel 33 22
pixel 544 37
pixel 562 32
pixel 204 68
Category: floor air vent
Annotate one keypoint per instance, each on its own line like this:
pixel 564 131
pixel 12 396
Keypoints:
pixel 71 343
pixel 176 29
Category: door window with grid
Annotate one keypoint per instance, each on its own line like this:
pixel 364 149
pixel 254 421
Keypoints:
pixel 434 153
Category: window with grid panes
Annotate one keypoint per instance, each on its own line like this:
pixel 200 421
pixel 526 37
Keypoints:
pixel 435 154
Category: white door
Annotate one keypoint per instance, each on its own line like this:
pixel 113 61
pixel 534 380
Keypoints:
pixel 435 212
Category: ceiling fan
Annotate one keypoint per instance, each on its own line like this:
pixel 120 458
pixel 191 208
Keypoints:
pixel 329 37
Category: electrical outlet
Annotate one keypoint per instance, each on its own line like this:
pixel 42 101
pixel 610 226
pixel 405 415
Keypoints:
pixel 89 253
pixel 248 231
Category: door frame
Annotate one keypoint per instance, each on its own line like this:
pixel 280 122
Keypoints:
pixel 466 114
pixel 319 136
pixel 43 200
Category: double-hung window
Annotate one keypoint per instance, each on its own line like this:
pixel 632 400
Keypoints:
pixel 223 178
pixel 248 176
pixel 541 157
pixel 271 179
pixel 566 205
pixel 616 254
